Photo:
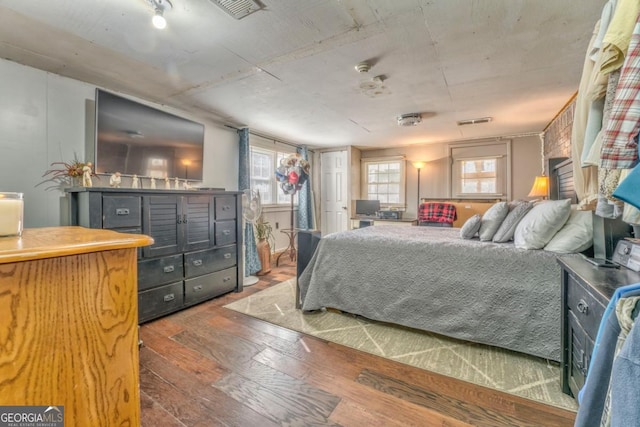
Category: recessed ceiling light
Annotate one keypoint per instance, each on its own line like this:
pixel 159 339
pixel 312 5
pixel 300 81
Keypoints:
pixel 474 121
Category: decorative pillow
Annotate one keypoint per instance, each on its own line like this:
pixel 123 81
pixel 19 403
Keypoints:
pixel 471 227
pixel 541 223
pixel 508 226
pixel 576 235
pixel 492 219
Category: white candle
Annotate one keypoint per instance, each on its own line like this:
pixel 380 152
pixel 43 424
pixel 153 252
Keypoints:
pixel 11 213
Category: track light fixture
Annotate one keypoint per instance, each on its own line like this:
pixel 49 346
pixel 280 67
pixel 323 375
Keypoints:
pixel 159 7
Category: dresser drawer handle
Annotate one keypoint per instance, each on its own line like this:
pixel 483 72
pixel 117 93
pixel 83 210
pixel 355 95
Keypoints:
pixel 226 232
pixel 197 262
pixel 226 279
pixel 227 255
pixel 122 211
pixel 197 288
pixel 226 207
pixel 583 307
pixel 169 297
pixel 169 269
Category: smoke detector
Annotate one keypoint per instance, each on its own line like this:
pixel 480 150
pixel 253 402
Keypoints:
pixel 411 119
pixel 363 67
pixel 474 121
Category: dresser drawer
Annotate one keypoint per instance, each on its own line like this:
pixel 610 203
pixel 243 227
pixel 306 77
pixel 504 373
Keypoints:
pixel 587 310
pixel 580 349
pixel 208 261
pixel 121 211
pixel 225 232
pixel 210 285
pixel 159 271
pixel 158 301
pixel 225 207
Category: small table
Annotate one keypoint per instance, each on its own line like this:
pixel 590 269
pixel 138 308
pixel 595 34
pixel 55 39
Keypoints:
pixel 291 233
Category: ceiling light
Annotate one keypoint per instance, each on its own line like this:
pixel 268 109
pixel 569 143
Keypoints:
pixel 411 119
pixel 474 121
pixel 159 7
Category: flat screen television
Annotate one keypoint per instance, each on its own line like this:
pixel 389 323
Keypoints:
pixel 367 207
pixel 135 139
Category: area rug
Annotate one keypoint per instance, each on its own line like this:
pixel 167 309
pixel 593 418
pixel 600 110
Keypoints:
pixel 515 373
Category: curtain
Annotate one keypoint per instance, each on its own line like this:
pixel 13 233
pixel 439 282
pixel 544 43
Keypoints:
pixel 251 260
pixel 305 211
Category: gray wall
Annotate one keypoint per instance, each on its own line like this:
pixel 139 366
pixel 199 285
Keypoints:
pixel 45 118
pixel 526 163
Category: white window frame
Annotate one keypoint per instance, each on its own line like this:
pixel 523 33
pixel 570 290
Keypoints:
pixel 502 156
pixel 364 190
pixel 276 195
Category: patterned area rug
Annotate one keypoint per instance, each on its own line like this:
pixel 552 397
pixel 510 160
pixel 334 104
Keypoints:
pixel 504 370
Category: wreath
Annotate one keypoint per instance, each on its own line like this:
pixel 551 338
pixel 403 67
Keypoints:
pixel 292 173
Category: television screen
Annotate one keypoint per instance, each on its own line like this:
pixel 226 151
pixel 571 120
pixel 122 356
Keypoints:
pixel 367 207
pixel 135 139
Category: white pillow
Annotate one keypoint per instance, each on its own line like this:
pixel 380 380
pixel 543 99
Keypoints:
pixel 576 235
pixel 492 219
pixel 541 223
pixel 471 227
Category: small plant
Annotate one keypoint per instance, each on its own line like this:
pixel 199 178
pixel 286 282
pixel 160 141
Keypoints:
pixel 264 231
pixel 65 172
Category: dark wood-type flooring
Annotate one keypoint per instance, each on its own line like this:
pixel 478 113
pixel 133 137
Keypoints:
pixel 210 366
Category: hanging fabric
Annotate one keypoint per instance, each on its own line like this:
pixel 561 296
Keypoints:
pixel 251 259
pixel 305 211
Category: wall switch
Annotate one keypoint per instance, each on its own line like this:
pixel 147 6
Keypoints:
pixel 467 206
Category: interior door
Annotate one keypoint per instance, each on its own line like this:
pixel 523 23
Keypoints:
pixel 335 197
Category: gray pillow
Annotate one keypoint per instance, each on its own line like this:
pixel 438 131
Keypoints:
pixel 508 226
pixel 541 223
pixel 471 227
pixel 492 219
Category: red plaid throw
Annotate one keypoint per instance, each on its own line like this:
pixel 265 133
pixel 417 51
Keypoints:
pixel 619 149
pixel 437 212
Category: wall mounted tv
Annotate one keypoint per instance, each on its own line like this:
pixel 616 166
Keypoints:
pixel 135 139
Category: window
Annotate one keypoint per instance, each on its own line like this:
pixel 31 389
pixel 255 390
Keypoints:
pixel 263 178
pixel 480 171
pixel 384 180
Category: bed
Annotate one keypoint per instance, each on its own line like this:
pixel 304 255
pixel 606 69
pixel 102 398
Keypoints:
pixel 430 279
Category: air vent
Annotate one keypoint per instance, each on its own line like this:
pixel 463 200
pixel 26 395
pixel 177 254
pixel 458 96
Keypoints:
pixel 474 121
pixel 411 119
pixel 238 8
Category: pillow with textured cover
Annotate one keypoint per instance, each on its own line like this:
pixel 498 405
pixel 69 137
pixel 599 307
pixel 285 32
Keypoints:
pixel 492 219
pixel 471 227
pixel 575 236
pixel 541 223
pixel 508 226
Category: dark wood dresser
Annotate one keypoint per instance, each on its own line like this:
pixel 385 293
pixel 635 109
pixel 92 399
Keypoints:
pixel 197 249
pixel 586 292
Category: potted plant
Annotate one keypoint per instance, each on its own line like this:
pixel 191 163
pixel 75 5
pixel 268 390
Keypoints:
pixel 264 234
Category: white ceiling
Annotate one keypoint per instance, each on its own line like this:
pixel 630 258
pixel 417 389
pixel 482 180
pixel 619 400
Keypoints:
pixel 288 70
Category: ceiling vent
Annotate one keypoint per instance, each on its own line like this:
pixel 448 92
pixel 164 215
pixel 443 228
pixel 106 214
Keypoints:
pixel 411 119
pixel 238 8
pixel 474 121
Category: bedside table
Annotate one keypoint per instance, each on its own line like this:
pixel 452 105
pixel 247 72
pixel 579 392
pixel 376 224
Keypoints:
pixel 586 291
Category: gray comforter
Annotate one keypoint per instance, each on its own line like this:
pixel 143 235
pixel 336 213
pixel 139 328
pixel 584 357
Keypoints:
pixel 429 278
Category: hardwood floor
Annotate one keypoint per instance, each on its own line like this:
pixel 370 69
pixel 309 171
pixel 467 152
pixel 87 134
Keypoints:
pixel 209 366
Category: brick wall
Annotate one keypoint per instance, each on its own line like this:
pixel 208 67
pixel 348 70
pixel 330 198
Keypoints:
pixel 557 137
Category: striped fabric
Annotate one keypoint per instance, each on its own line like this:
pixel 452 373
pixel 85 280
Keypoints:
pixel 437 212
pixel 619 148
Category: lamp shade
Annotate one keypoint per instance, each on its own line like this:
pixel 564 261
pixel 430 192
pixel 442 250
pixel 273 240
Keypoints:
pixel 418 164
pixel 540 187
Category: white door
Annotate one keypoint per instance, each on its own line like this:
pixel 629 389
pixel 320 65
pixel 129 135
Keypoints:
pixel 335 200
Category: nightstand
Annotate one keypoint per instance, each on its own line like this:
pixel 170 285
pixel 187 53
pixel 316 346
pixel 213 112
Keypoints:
pixel 586 291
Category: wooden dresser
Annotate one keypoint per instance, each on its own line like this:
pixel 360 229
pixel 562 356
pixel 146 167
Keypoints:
pixel 586 292
pixel 198 241
pixel 68 324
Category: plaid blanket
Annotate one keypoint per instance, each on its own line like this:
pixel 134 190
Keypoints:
pixel 437 212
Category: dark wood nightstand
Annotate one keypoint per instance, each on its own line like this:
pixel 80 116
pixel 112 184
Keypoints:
pixel 586 292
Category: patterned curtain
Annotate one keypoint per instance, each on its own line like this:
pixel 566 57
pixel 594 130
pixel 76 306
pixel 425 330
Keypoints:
pixel 305 211
pixel 251 260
